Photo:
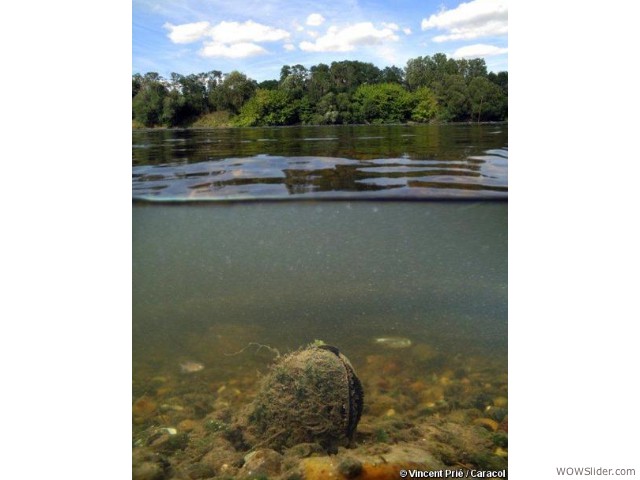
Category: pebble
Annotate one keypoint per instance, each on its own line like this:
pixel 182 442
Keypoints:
pixel 263 462
pixel 500 402
pixel 187 425
pixel 350 467
pixel 496 413
pixel 500 452
pixel 148 465
pixel 200 470
pixel 168 442
pixel 143 407
pixel 147 471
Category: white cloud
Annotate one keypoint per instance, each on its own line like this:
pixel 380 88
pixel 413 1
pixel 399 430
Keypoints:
pixel 475 19
pixel 225 32
pixel 315 19
pixel 392 26
pixel 289 47
pixel 478 50
pixel 237 50
pixel 407 31
pixel 249 31
pixel 350 37
pixel 187 33
pixel 227 39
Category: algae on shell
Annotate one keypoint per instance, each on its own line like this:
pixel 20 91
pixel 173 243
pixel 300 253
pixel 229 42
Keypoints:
pixel 309 396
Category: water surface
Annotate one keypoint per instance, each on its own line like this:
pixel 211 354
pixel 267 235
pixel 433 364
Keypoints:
pixel 383 161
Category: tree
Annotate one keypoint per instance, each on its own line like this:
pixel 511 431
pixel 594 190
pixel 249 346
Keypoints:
pixel 392 74
pixel 382 103
pixel 471 69
pixel 425 105
pixel 501 79
pixel 429 88
pixel 193 101
pixel 136 84
pixel 419 72
pixel 268 107
pixel 453 96
pixel 148 103
pixel 427 71
pixel 233 92
pixel 347 75
pixel 293 80
pixel 172 106
pixel 319 81
pixel 487 100
pixel 327 110
pixel 268 84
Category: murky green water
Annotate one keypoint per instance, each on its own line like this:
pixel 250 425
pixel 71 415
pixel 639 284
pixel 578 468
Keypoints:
pixel 219 289
pixel 345 272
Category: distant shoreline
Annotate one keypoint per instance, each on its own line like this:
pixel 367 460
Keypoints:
pixel 191 127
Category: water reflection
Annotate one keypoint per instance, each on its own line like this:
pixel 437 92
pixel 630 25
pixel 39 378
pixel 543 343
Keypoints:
pixel 398 161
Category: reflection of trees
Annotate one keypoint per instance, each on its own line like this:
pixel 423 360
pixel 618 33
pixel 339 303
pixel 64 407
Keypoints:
pixel 446 142
pixel 321 159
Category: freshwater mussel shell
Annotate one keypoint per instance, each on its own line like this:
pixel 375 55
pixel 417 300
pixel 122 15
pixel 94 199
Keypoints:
pixel 310 396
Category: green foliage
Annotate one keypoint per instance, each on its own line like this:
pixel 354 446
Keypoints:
pixel 293 80
pixel 453 96
pixel 268 107
pixel 233 92
pixel 347 75
pixel 426 107
pixel 319 83
pixel 148 104
pixel 172 107
pixel 382 103
pixel 431 71
pixel 268 85
pixel 327 111
pixel 392 74
pixel 488 101
pixel 430 88
pixel 221 118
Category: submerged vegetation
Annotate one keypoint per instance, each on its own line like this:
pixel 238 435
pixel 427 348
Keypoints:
pixel 429 89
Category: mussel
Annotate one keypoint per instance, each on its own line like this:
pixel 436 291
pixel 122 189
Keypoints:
pixel 309 396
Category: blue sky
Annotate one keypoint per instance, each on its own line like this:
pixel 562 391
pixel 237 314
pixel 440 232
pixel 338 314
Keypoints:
pixel 258 37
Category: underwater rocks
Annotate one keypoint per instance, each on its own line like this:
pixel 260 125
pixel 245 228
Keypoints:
pixel 261 463
pixel 426 409
pixel 312 395
pixel 148 465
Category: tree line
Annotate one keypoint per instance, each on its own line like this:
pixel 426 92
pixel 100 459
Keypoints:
pixel 429 89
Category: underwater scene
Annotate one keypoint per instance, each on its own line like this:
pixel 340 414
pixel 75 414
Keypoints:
pixel 301 313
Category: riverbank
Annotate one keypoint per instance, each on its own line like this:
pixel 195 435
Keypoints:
pixel 225 120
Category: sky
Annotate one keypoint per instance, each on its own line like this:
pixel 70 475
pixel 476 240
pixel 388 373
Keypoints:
pixel 258 37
